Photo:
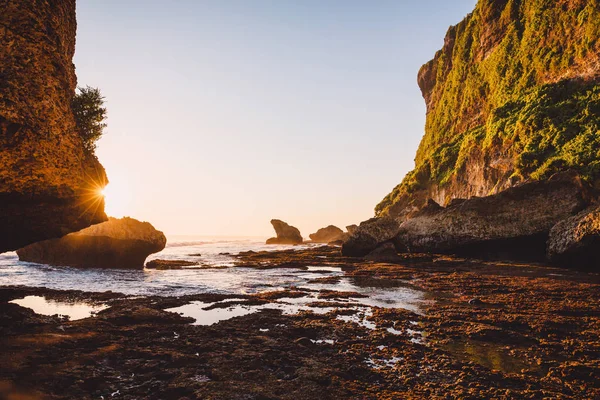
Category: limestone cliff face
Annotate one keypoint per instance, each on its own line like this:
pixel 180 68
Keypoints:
pixel 48 185
pixel 513 95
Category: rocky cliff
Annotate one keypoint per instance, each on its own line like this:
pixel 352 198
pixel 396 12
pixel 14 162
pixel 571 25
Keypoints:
pixel 513 95
pixel 48 185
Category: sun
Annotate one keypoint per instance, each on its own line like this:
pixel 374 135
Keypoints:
pixel 116 199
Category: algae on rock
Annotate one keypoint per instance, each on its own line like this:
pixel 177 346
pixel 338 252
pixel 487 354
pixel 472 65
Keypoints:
pixel 513 95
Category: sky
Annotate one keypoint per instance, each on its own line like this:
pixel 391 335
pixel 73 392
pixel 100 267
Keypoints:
pixel 224 114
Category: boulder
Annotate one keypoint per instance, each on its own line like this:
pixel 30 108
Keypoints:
pixel 327 235
pixel 385 253
pixel 286 234
pixel 369 235
pixel 351 228
pixel 575 242
pixel 118 243
pixel 513 224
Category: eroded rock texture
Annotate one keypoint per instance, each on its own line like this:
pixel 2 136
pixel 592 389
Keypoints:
pixel 369 235
pixel 575 242
pixel 48 185
pixel 513 224
pixel 117 243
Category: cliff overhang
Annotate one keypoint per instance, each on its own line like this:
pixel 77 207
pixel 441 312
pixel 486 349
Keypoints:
pixel 49 185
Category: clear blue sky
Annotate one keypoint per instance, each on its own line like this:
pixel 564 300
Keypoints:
pixel 224 114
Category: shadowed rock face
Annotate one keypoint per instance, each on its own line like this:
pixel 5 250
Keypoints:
pixel 513 224
pixel 351 228
pixel 326 235
pixel 48 185
pixel 367 237
pixel 286 234
pixel 575 242
pixel 385 253
pixel 118 243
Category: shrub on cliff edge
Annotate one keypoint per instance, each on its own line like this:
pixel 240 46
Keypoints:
pixel 90 113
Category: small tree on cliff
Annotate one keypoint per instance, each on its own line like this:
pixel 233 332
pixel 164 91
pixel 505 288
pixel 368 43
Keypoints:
pixel 90 113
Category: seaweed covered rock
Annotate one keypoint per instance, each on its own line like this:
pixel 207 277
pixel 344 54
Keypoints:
pixel 286 234
pixel 328 234
pixel 369 235
pixel 118 243
pixel 49 185
pixel 575 241
pixel 513 224
pixel 169 264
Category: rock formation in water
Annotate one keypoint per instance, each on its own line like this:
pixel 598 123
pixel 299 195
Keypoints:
pixel 575 241
pixel 513 95
pixel 49 186
pixel 286 234
pixel 170 264
pixel 328 234
pixel 118 243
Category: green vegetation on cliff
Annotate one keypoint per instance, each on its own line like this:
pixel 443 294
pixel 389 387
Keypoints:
pixel 90 113
pixel 517 84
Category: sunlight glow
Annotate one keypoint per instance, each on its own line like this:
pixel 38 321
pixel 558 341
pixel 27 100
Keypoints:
pixel 117 200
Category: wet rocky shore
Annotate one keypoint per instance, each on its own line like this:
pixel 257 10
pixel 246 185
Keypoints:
pixel 478 330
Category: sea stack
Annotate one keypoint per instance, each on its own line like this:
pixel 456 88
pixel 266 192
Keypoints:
pixel 286 234
pixel 49 185
pixel 118 243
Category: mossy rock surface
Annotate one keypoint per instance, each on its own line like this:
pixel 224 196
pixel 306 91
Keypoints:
pixel 513 95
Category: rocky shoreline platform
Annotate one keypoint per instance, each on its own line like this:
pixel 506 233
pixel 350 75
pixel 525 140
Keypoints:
pixel 555 221
pixel 480 329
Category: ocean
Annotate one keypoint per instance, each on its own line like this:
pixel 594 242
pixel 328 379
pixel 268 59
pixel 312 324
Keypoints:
pixel 218 275
pixel 153 282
